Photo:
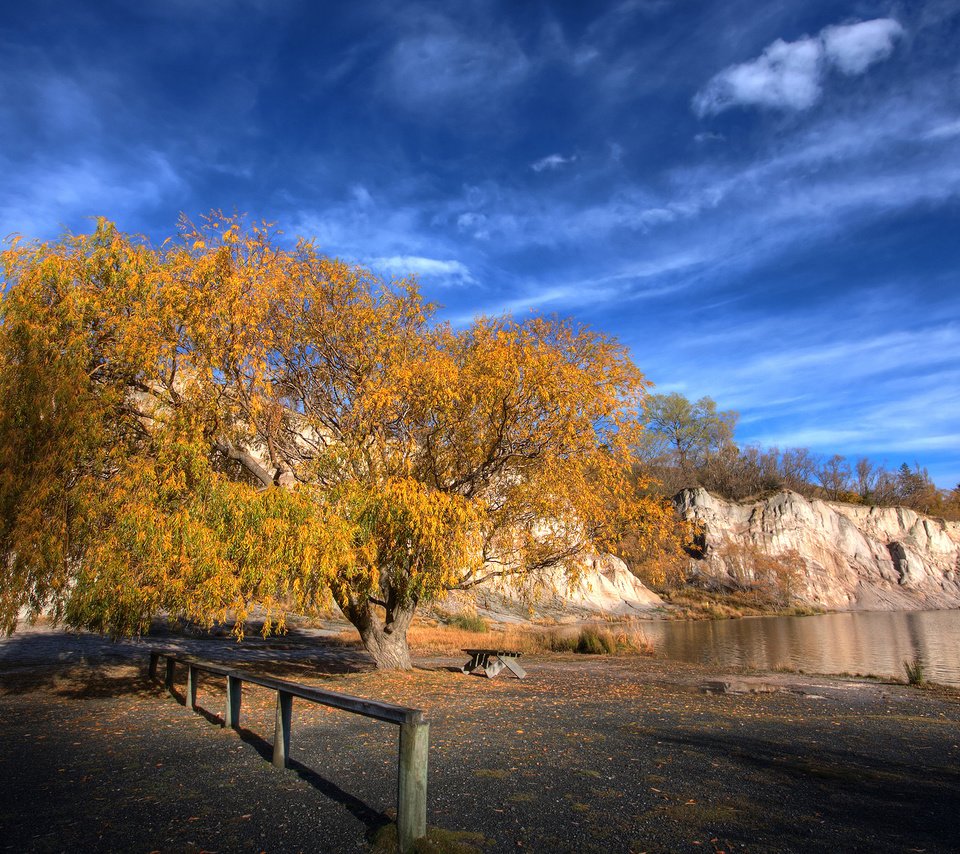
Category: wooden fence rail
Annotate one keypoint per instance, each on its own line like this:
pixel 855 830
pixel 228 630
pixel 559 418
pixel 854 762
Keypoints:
pixel 414 730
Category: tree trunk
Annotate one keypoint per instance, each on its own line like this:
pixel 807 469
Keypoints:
pixel 389 651
pixel 386 639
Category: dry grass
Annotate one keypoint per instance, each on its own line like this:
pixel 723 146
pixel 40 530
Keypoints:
pixel 448 640
pixel 692 603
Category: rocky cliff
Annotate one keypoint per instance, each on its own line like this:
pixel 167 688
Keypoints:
pixel 853 557
pixel 605 587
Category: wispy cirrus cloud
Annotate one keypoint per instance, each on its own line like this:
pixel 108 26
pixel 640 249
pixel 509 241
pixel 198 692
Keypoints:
pixel 642 280
pixel 438 65
pixel 790 75
pixel 551 162
pixel 842 168
pixel 947 130
pixel 42 198
pixel 448 271
pixel 889 394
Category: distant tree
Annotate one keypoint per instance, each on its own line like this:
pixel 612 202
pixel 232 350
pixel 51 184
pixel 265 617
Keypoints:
pixel 866 474
pixel 915 489
pixel 692 444
pixel 686 433
pixel 885 491
pixel 726 472
pixel 798 469
pixel 223 423
pixel 834 476
pixel 951 504
pixel 739 473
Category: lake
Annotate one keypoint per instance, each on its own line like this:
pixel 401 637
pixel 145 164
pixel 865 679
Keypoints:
pixel 874 642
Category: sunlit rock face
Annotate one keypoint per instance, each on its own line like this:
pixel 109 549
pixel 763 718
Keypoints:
pixel 602 586
pixel 855 557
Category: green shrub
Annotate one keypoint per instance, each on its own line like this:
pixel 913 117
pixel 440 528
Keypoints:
pixel 914 670
pixel 468 622
pixel 594 642
pixel 562 642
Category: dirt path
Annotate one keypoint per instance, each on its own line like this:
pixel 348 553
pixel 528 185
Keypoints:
pixel 587 754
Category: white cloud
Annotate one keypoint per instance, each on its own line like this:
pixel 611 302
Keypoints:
pixel 551 162
pixel 853 48
pixel 474 224
pixel 834 171
pixel 454 272
pixel 789 75
pixel 362 226
pixel 786 75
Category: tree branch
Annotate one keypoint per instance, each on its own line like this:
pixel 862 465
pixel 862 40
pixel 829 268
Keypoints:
pixel 246 459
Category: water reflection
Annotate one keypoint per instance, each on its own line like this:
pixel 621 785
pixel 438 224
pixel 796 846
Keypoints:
pixel 864 642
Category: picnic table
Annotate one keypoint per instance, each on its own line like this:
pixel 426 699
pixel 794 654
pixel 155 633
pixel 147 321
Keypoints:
pixel 493 661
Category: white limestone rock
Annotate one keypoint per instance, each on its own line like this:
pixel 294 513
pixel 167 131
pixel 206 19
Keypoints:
pixel 604 587
pixel 855 557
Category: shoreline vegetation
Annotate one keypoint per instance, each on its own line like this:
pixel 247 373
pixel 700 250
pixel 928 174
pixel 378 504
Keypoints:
pixel 694 603
pixel 428 637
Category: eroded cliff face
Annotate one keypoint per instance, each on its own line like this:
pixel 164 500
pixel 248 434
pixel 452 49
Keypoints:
pixel 604 587
pixel 854 557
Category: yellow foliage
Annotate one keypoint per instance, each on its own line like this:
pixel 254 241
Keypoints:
pixel 222 422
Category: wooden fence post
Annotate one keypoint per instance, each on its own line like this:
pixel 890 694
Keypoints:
pixel 231 714
pixel 191 694
pixel 412 784
pixel 281 733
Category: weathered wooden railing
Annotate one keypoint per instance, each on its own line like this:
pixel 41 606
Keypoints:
pixel 414 730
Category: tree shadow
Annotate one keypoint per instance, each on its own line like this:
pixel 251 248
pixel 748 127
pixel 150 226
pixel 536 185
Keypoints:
pixel 333 662
pixel 362 811
pixel 82 665
pixel 373 819
pixel 78 681
pixel 862 793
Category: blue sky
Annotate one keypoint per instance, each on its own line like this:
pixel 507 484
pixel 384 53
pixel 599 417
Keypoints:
pixel 761 199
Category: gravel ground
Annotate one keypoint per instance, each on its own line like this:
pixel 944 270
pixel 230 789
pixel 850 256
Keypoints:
pixel 587 754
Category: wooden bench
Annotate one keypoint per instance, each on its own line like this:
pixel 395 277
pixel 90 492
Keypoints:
pixel 493 661
pixel 414 730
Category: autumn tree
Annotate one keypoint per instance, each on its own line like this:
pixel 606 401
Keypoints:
pixel 951 504
pixel 222 423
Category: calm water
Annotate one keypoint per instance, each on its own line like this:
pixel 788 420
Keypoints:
pixel 865 642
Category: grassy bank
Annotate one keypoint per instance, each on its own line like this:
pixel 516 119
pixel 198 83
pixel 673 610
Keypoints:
pixel 693 603
pixel 449 639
